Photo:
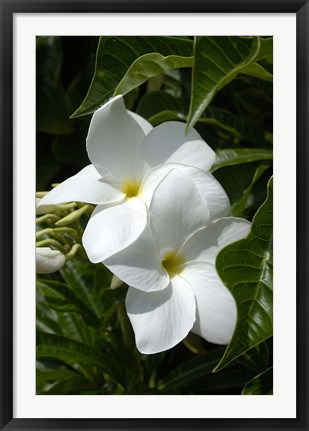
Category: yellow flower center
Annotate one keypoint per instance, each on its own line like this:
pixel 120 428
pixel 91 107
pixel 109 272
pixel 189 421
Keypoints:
pixel 172 262
pixel 131 189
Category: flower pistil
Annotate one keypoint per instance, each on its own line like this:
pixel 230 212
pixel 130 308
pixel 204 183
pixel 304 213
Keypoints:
pixel 172 262
pixel 131 189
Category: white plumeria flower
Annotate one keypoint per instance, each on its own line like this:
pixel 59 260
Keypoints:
pixel 48 260
pixel 174 286
pixel 129 158
pixel 43 209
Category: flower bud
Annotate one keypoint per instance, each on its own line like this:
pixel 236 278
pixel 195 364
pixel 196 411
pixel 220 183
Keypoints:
pixel 48 260
pixel 116 282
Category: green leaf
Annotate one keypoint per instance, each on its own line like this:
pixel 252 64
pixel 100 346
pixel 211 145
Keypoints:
pixel 239 206
pixel 75 275
pixel 255 69
pixel 147 66
pixel 229 157
pixel 241 127
pixel 229 381
pixel 115 55
pixel 66 349
pixel 58 374
pixel 234 179
pixel 261 384
pixel 257 359
pixel 266 49
pixel 45 319
pixel 246 268
pixel 194 369
pixel 160 101
pixel 217 61
pixel 73 326
pixel 159 106
pixel 72 385
pixel 60 297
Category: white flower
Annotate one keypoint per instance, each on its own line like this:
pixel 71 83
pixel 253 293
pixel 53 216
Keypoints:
pixel 43 209
pixel 48 260
pixel 174 286
pixel 129 158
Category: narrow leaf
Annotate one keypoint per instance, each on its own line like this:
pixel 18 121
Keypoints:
pixel 60 297
pixel 55 346
pixel 194 369
pixel 261 384
pixel 73 274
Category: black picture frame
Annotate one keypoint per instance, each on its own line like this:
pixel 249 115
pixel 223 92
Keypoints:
pixel 8 9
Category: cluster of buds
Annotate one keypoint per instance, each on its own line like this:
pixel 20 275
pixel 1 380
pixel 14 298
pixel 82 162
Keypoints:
pixel 59 233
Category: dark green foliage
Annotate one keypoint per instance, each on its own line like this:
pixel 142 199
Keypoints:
pixel 223 87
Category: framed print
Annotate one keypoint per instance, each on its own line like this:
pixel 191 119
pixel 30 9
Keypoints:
pixel 154 215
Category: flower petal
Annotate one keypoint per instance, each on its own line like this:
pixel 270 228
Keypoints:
pixel 161 319
pixel 211 190
pixel 208 187
pixel 110 230
pixel 112 141
pixel 206 243
pixel 144 124
pixel 216 311
pixel 139 265
pixel 86 186
pixel 168 143
pixel 43 209
pixel 176 211
pixel 153 179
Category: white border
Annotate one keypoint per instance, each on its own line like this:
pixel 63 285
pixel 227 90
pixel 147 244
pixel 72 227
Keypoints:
pixel 283 403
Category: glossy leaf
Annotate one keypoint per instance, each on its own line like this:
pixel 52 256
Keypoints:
pixel 115 55
pixel 217 61
pixel 255 69
pixel 230 157
pixel 246 268
pixel 261 384
pixel 148 66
